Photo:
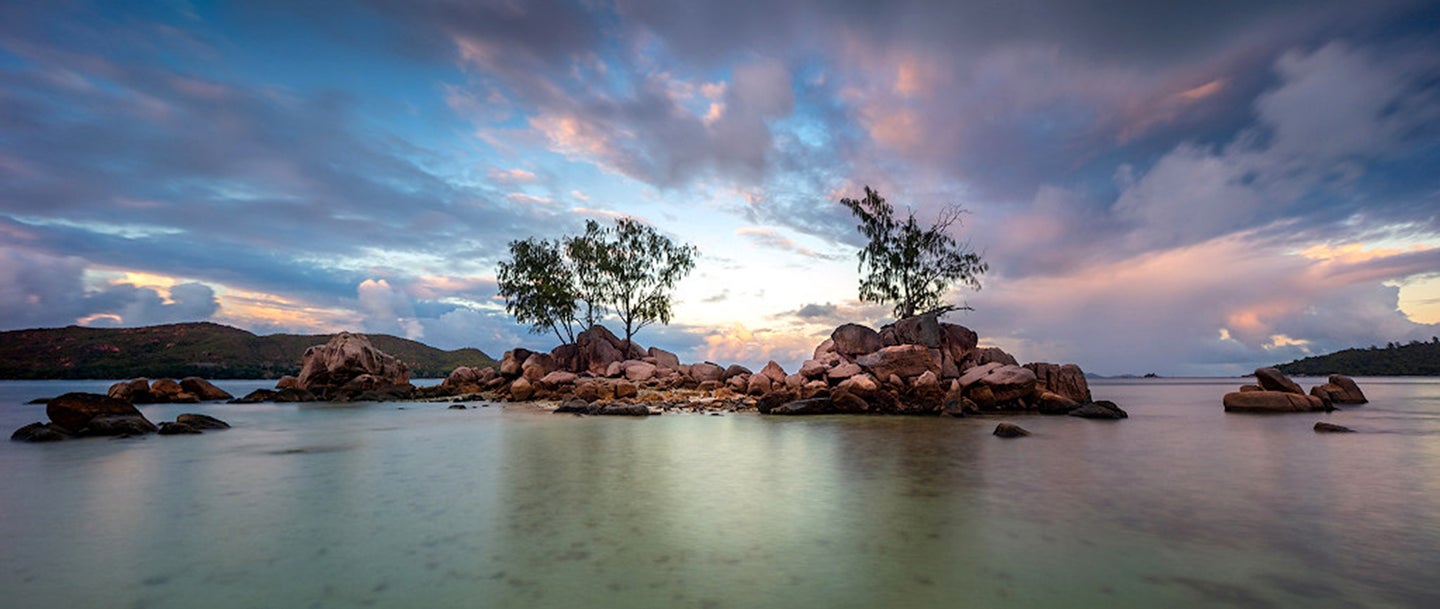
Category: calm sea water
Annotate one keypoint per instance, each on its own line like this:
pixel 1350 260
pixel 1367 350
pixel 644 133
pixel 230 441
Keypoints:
pixel 372 505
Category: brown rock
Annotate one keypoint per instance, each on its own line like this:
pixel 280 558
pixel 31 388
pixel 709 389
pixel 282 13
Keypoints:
pixel 537 366
pixel 794 382
pixel 1067 380
pixel 639 372
pixel 1350 392
pixel 901 360
pixel 706 371
pixel 1050 402
pixel 625 389
pixel 1271 379
pixel 919 330
pixel 844 371
pixel 973 375
pixel 288 382
pixel 40 432
pixel 1102 409
pixel 511 362
pixel 1010 383
pixel 201 421
pixel 1269 401
pixel 986 355
pixel 959 341
pixel 558 378
pixel 73 412
pixel 1250 388
pixel 824 348
pixel 759 384
pixel 926 380
pixel 165 390
pixel 345 357
pixel 739 383
pixel 665 358
pixel 521 389
pixel 854 339
pixel 1323 427
pixel 204 390
pixel 1008 430
pixel 812 369
pixel 862 384
pixel 774 371
pixel 735 370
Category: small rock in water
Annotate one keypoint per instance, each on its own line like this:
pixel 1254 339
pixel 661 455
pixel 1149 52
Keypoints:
pixel 1102 409
pixel 39 432
pixel 458 407
pixel 201 421
pixel 168 428
pixel 1009 430
pixel 1323 427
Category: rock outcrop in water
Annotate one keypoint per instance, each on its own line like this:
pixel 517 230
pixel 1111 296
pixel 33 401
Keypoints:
pixel 1275 392
pixel 350 368
pixel 80 415
pixel 918 365
pixel 189 390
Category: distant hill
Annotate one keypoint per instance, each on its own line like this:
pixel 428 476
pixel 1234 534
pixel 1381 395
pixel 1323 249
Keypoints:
pixel 201 349
pixel 1414 359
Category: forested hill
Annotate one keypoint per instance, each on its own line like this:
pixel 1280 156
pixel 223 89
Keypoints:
pixel 1414 359
pixel 202 349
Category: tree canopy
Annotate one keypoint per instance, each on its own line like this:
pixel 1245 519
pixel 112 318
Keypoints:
pixel 907 265
pixel 629 270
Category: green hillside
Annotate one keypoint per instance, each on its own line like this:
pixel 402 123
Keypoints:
pixel 1414 359
pixel 200 349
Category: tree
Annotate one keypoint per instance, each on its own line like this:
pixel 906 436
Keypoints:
pixel 588 281
pixel 636 271
pixel 907 265
pixel 538 286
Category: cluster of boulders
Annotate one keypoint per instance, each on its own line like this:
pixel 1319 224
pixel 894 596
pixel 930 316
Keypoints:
pixel 345 369
pixel 80 415
pixel 918 365
pixel 189 390
pixel 1275 392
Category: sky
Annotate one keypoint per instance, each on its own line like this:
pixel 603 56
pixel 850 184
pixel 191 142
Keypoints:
pixel 1185 190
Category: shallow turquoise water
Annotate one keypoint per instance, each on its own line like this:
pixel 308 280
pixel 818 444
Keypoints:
pixel 375 505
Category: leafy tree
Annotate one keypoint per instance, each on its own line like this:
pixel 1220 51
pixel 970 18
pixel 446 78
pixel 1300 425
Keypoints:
pixel 588 280
pixel 637 268
pixel 538 286
pixel 907 265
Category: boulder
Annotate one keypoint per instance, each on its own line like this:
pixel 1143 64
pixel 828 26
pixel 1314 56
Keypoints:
pixel 986 355
pixel 1067 380
pixel 1327 393
pixel 1350 392
pixel 735 370
pixel 74 412
pixel 293 395
pixel 1270 401
pixel 1103 409
pixel 573 405
pixel 774 371
pixel 512 361
pixel 639 372
pixel 825 348
pixel 1050 402
pixel 706 371
pixel 812 369
pixel 288 382
pixel 926 381
pixel 807 406
pixel 201 421
pixel 1250 388
pixel 166 390
pixel 615 370
pixel 118 425
pixel 537 366
pixel 921 329
pixel 901 360
pixel 844 371
pixel 1009 430
pixel 1272 379
pixel 1323 427
pixel 973 375
pixel 794 381
pixel 739 383
pixel 625 389
pixel 135 391
pixel 204 390
pixel 959 341
pixel 598 348
pixel 558 378
pixel 862 384
pixel 40 432
pixel 665 358
pixel 624 410
pixel 760 384
pixel 258 395
pixel 172 428
pixel 521 389
pixel 854 339
pixel 957 405
pixel 1006 383
pixel 345 357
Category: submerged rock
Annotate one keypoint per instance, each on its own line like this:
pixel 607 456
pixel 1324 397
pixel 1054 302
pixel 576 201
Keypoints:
pixel 201 421
pixel 40 432
pixel 1010 430
pixel 1323 427
pixel 1102 409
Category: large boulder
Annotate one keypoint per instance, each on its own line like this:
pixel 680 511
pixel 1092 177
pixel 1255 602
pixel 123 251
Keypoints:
pixel 521 389
pixel 169 390
pixel 665 358
pixel 919 330
pixel 598 348
pixel 204 390
pixel 774 371
pixel 135 391
pixel 1272 379
pixel 736 370
pixel 854 339
pixel 512 361
pixel 812 369
pixel 1349 391
pixel 959 341
pixel 706 371
pixel 903 361
pixel 1271 401
pixel 1103 409
pixel 345 357
pixel 1067 380
pixel 40 432
pixel 639 372
pixel 74 412
pixel 537 366
pixel 986 355
pixel 844 371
